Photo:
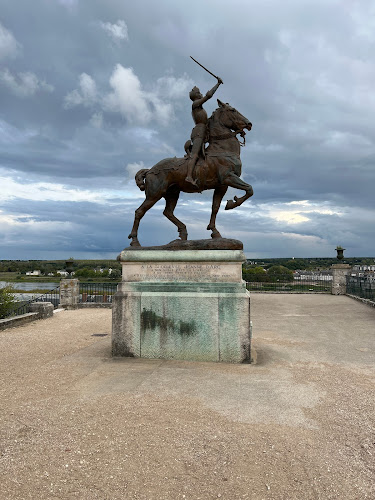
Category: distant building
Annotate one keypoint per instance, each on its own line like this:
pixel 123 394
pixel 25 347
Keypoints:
pixel 313 275
pixel 363 270
pixel 64 273
pixel 34 273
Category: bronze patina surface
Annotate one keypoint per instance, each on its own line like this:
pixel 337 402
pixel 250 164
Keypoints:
pixel 212 161
pixel 213 244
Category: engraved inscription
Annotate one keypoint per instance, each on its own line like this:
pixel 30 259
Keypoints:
pixel 180 272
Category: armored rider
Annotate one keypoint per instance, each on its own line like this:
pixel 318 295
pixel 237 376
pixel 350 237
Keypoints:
pixel 198 133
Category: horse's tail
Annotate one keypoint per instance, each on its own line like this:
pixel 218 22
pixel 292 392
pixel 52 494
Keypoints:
pixel 140 178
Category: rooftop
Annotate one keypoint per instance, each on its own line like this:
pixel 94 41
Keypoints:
pixel 297 424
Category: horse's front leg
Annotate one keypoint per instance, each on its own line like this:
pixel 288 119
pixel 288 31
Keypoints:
pixel 216 200
pixel 139 213
pixel 234 181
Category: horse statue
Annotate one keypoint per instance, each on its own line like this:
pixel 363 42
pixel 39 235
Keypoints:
pixel 218 170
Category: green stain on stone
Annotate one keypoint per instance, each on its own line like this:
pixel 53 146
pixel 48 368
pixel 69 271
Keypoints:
pixel 186 327
pixel 150 321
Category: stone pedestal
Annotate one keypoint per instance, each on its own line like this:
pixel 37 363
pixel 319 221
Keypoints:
pixel 339 274
pixel 69 293
pixel 182 304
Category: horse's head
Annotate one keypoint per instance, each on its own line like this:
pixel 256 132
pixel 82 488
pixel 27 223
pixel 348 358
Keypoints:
pixel 231 118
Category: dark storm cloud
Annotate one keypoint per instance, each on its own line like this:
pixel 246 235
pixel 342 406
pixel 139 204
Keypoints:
pixel 301 71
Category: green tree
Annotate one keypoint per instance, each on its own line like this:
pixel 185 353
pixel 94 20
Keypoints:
pixel 295 264
pixel 85 273
pixel 255 274
pixel 115 274
pixel 279 273
pixel 7 301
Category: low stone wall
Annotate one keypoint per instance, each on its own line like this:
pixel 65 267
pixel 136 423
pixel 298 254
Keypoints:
pixel 44 309
pixel 361 299
pixel 88 305
pixel 18 320
pixel 38 310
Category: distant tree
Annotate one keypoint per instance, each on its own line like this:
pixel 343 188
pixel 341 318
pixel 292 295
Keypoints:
pixel 279 273
pixel 254 274
pixel 7 301
pixel 295 264
pixel 85 273
pixel 115 274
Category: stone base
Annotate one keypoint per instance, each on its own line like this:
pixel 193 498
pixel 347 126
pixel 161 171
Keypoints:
pixel 339 274
pixel 179 307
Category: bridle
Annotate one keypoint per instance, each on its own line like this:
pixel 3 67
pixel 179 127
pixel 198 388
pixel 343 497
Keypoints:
pixel 230 135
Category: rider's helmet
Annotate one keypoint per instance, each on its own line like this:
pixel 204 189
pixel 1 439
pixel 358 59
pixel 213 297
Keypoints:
pixel 195 93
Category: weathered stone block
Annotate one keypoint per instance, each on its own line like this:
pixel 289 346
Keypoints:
pixel 44 309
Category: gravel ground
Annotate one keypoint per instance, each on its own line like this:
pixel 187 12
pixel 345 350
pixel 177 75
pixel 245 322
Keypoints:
pixel 297 424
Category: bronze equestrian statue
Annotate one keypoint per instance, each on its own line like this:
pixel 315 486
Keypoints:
pixel 218 168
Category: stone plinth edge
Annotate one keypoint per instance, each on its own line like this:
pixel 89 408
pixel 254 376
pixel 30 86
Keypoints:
pixel 130 255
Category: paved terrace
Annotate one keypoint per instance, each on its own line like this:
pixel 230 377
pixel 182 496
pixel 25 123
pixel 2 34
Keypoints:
pixel 298 424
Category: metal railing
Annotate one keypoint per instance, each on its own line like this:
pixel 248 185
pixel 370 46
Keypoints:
pixel 322 285
pixel 23 307
pixel 361 286
pixel 97 292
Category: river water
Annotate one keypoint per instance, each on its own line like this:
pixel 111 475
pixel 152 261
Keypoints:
pixel 27 286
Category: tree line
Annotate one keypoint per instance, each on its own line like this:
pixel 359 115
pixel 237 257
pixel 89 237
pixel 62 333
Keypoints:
pixel 272 274
pixel 84 268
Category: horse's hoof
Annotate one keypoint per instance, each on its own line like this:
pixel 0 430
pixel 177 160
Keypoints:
pixel 135 243
pixel 230 204
pixel 215 234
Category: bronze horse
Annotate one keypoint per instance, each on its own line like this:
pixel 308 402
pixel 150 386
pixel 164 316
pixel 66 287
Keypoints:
pixel 220 169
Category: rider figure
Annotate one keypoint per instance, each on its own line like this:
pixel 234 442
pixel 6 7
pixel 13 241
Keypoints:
pixel 198 133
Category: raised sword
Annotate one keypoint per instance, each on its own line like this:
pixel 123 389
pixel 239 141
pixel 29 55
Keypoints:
pixel 208 71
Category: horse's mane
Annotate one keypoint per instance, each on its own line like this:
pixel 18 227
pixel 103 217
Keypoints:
pixel 214 113
pixel 213 116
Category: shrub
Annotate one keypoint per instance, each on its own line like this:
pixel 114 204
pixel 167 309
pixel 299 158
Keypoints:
pixel 7 301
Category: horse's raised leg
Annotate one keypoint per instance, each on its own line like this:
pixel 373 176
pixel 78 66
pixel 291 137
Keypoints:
pixel 216 200
pixel 171 199
pixel 234 181
pixel 139 213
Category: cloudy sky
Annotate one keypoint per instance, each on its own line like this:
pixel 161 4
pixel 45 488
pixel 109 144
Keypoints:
pixel 91 91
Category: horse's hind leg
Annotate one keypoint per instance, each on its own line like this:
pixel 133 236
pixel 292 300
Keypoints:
pixel 216 200
pixel 139 213
pixel 171 199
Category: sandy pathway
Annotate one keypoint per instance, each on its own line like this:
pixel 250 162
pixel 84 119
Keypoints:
pixel 299 424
